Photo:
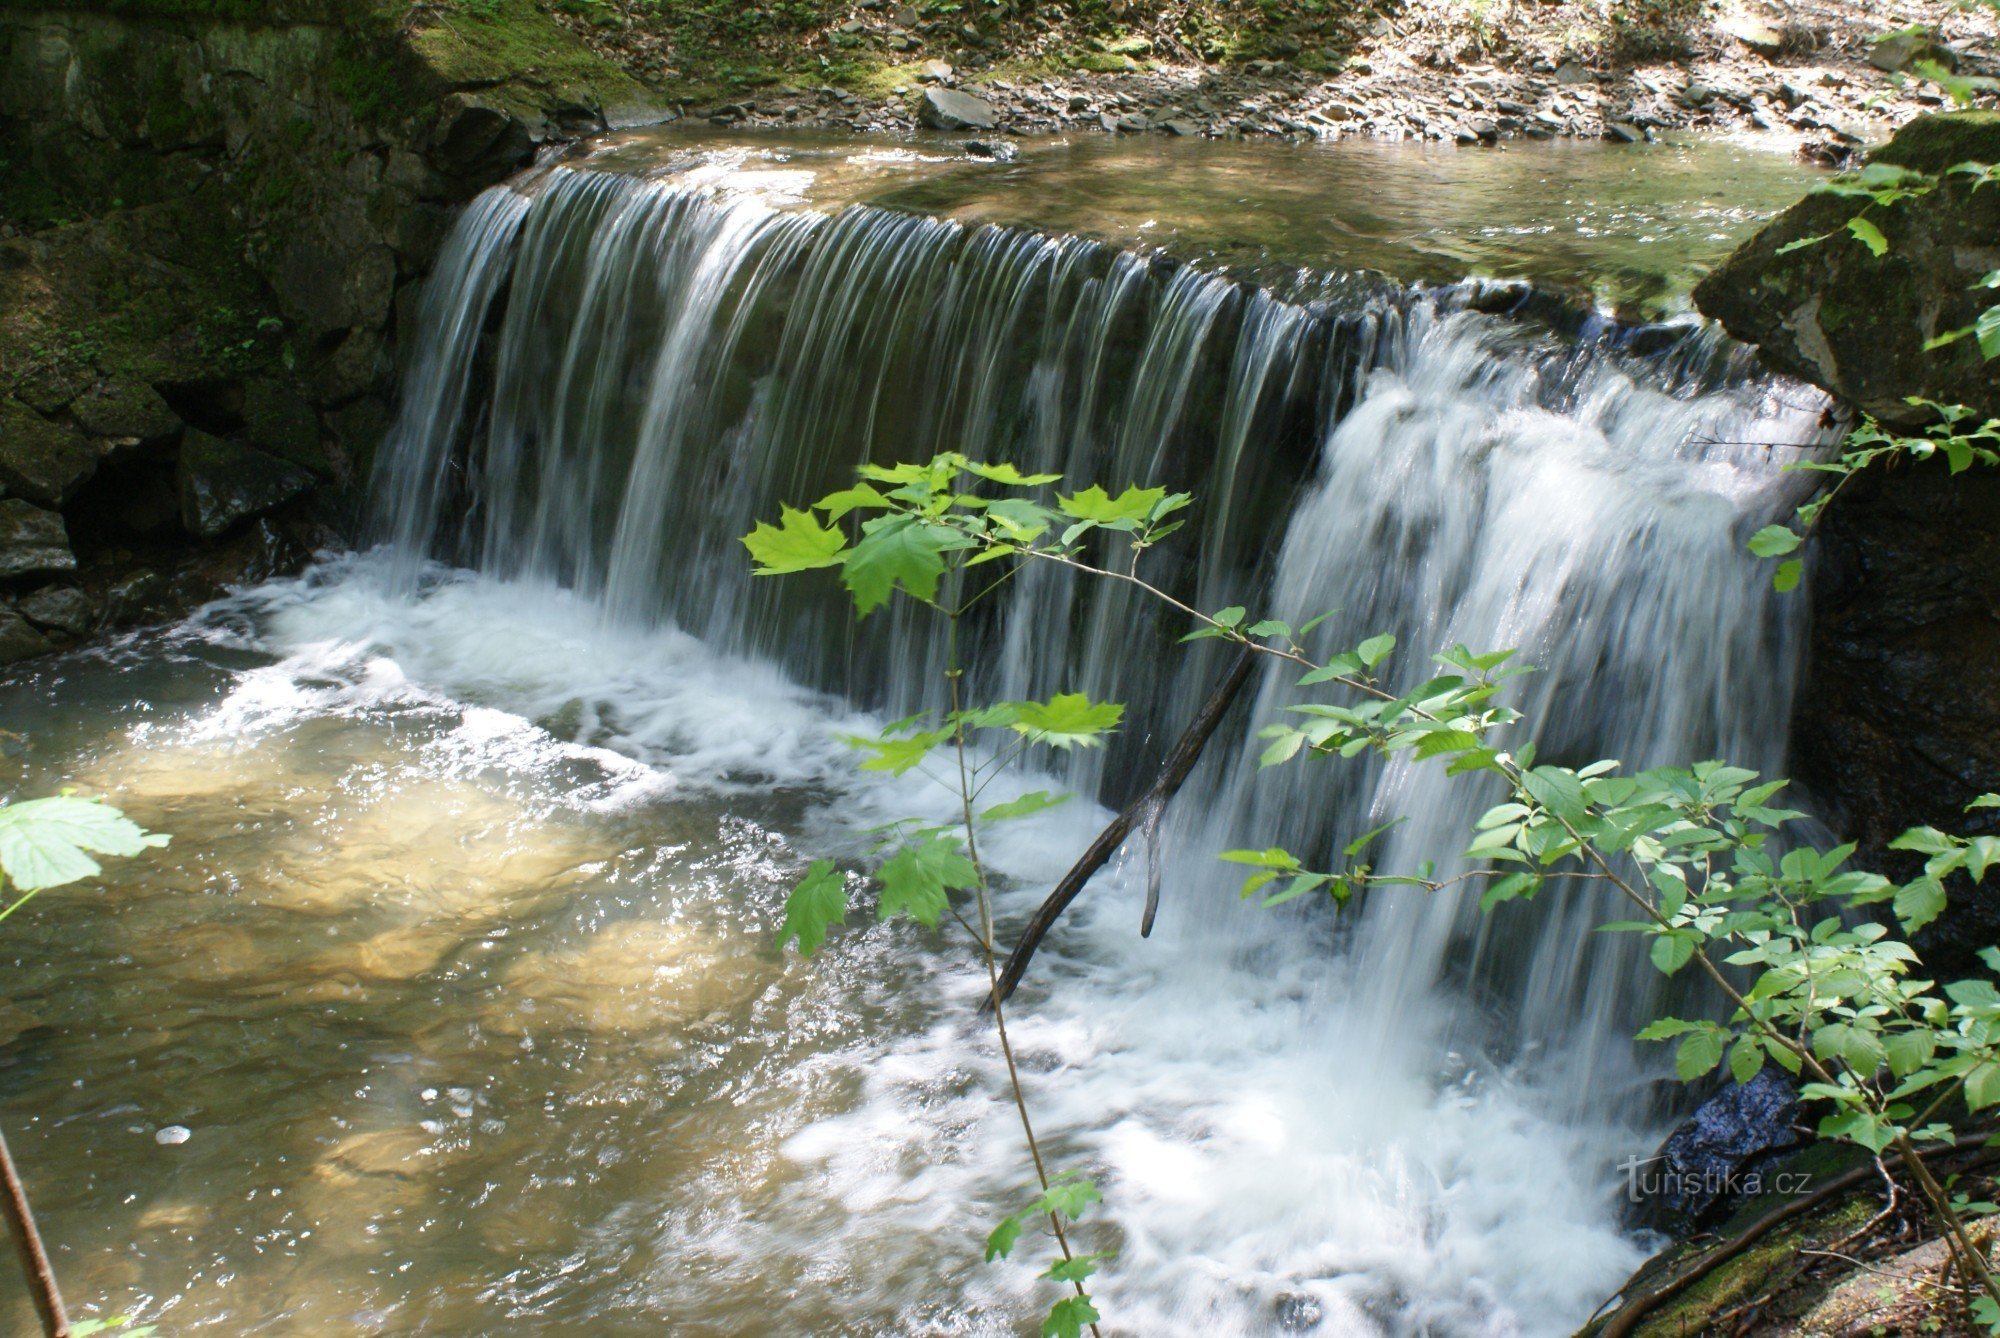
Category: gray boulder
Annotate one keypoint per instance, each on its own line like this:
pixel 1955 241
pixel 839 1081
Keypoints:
pixel 33 542
pixel 955 109
pixel 222 483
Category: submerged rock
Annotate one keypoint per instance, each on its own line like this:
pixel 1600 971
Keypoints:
pixel 954 109
pixel 222 483
pixel 32 541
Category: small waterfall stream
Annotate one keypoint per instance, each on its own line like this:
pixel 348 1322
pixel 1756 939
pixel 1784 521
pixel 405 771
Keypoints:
pixel 667 366
pixel 463 973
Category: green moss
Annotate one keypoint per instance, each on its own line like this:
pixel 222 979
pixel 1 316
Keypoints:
pixel 1935 143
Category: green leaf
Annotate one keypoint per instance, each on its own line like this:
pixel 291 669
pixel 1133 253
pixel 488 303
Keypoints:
pixel 1869 236
pixel 797 543
pixel 1982 1086
pixel 1909 1051
pixel 1099 507
pixel 838 504
pixel 1786 578
pixel 1367 838
pixel 819 900
pixel 1067 719
pixel 1067 1196
pixel 916 877
pixel 1000 1241
pixel 1698 1054
pixel 896 755
pixel 1375 649
pixel 1069 1317
pixel 1033 802
pixel 1774 541
pixel 1670 952
pixel 898 550
pixel 1077 1268
pixel 1508 888
pixel 1009 475
pixel 43 841
pixel 1666 1028
pixel 1919 903
pixel 1746 1058
pixel 1557 790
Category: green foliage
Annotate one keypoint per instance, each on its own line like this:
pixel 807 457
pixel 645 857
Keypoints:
pixel 47 843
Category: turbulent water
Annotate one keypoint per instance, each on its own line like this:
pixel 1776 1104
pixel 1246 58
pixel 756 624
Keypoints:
pixel 518 792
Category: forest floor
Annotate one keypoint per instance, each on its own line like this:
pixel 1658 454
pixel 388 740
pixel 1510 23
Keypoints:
pixel 1469 71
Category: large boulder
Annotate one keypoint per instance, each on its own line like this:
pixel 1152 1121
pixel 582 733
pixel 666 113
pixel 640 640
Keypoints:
pixel 222 483
pixel 42 460
pixel 1834 313
pixel 125 411
pixel 955 109
pixel 33 542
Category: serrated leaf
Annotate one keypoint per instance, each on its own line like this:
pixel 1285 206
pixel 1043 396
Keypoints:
pixel 1000 1241
pixel 1069 1317
pixel 819 900
pixel 797 543
pixel 1920 902
pixel 1033 802
pixel 1095 505
pixel 1869 236
pixel 1009 475
pixel 1746 1058
pixel 1075 1269
pixel 838 504
pixel 1670 952
pixel 1068 719
pixel 1786 578
pixel 898 550
pixel 1774 541
pixel 896 755
pixel 1375 649
pixel 44 842
pixel 1698 1054
pixel 916 878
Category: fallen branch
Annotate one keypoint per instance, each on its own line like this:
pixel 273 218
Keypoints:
pixel 1180 762
pixel 34 1259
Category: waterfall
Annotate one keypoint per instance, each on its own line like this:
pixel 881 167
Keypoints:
pixel 618 378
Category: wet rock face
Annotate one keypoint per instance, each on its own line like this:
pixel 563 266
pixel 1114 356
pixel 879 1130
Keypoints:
pixel 1718 1155
pixel 222 483
pixel 205 229
pixel 1836 314
pixel 33 542
pixel 1900 722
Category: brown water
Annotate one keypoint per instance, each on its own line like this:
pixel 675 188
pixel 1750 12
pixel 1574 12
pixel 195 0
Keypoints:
pixel 1632 226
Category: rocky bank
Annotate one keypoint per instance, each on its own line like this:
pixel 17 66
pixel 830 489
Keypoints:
pixel 211 215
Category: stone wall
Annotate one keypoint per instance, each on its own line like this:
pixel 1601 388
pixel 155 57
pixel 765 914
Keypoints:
pixel 208 232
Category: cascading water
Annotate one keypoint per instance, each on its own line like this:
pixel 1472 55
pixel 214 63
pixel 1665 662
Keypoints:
pixel 1404 1119
pixel 669 367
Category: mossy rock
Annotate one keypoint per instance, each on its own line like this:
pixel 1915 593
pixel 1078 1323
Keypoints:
pixel 1821 305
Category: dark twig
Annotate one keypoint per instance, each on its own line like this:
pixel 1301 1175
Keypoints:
pixel 1180 762
pixel 34 1259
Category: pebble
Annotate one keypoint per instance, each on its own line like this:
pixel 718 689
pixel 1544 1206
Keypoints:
pixel 173 1134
